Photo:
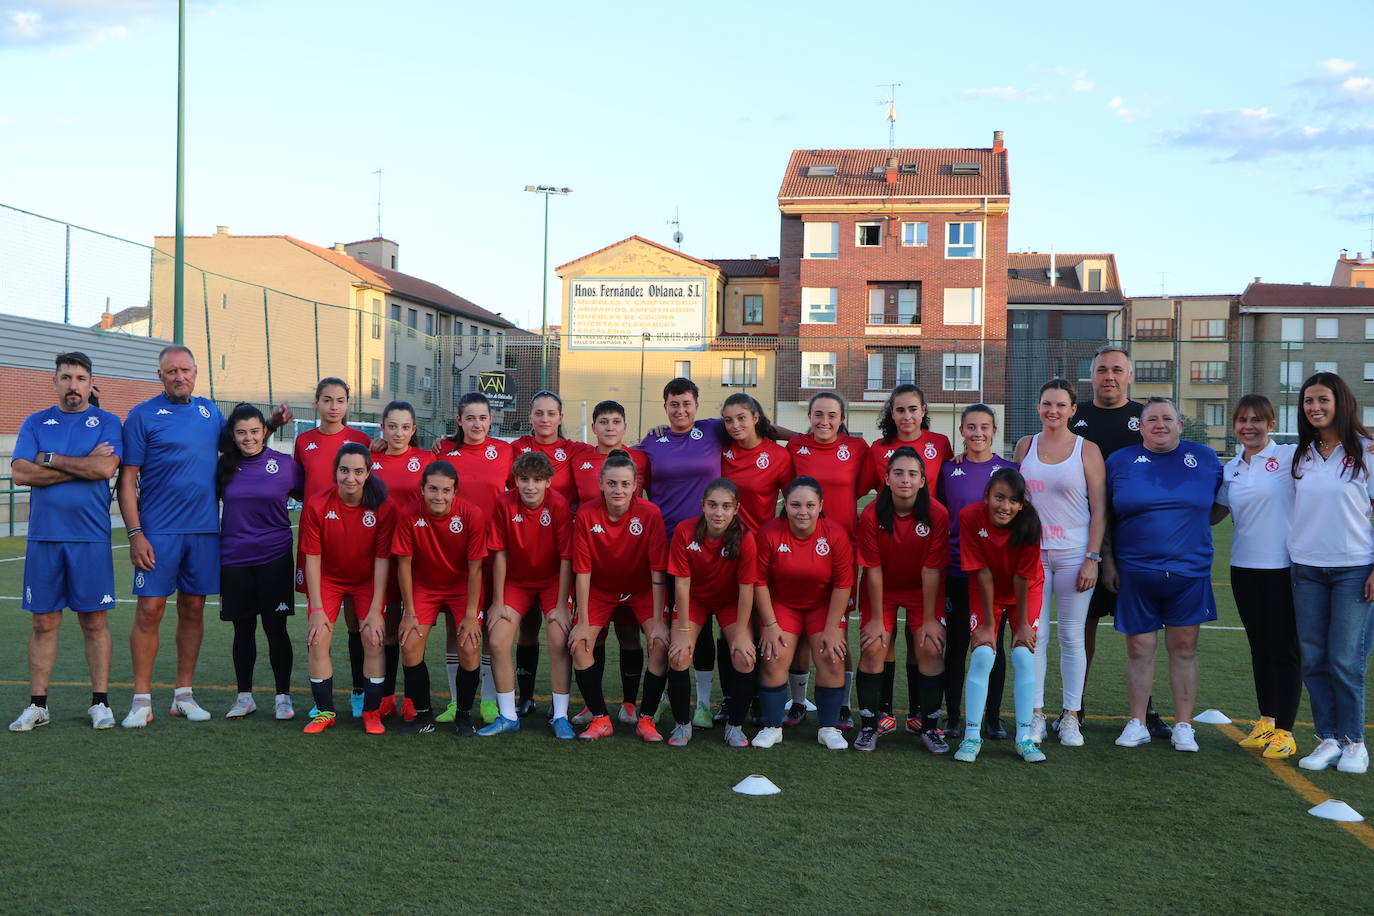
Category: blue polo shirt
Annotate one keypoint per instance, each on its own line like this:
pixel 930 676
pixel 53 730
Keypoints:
pixel 74 510
pixel 1163 508
pixel 175 447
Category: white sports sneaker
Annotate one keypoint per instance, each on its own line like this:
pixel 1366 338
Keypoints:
pixel 31 718
pixel 1070 732
pixel 1184 737
pixel 186 705
pixel 282 706
pixel 1133 735
pixel 832 739
pixel 767 737
pixel 1354 758
pixel 243 706
pixel 138 716
pixel 101 716
pixel 1322 756
pixel 1037 727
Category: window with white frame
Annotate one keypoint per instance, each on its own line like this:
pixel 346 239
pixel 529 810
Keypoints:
pixel 1367 417
pixel 868 235
pixel 1291 333
pixel 1214 413
pixel 963 305
pixel 875 372
pixel 682 368
pixel 1328 328
pixel 739 373
pixel 1208 371
pixel 906 369
pixel 961 240
pixel 1290 376
pixel 961 372
pixel 1095 280
pixel 753 310
pixel 1209 328
pixel 818 370
pixel 877 306
pixel 915 235
pixel 1324 367
pixel 820 240
pixel 1288 419
pixel 909 306
pixel 1369 372
pixel 1369 329
pixel 819 304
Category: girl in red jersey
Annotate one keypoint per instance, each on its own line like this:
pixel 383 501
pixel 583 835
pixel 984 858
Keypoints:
pixel 439 551
pixel 620 559
pixel 904 548
pixel 999 546
pixel 314 451
pixel 346 535
pixel 712 561
pixel 399 465
pixel 530 537
pixel 805 576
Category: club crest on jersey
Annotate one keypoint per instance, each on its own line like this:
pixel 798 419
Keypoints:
pixel 92 422
pixel 271 466
pixel 696 433
pixel 204 411
pixel 636 526
pixel 1347 462
pixel 490 453
pixel 1133 424
pixel 369 519
pixel 842 453
pixel 1189 460
pixel 762 461
pixel 1271 465
pixel 560 455
pixel 822 547
pixel 413 464
pixel 922 529
pixel 1141 459
pixel 930 451
pixel 455 524
pixel 545 518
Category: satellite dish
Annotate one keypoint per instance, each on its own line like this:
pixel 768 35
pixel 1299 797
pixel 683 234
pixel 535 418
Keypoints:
pixel 677 238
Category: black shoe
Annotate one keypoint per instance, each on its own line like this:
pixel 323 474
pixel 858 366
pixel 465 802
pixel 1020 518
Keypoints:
pixel 422 724
pixel 993 729
pixel 722 713
pixel 846 721
pixel 525 708
pixel 755 714
pixel 795 715
pixel 462 724
pixel 1157 726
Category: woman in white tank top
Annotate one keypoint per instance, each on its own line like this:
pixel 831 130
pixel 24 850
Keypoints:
pixel 1066 482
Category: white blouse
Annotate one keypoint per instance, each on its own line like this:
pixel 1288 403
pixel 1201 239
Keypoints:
pixel 1259 493
pixel 1331 511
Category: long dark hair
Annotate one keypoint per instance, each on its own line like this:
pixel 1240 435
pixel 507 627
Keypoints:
pixel 1025 528
pixel 230 456
pixel 402 405
pixel 330 381
pixel 467 400
pixel 888 426
pixel 1348 427
pixel 374 490
pixel 836 397
pixel 734 532
pixel 796 483
pixel 763 426
pixel 546 393
pixel 884 506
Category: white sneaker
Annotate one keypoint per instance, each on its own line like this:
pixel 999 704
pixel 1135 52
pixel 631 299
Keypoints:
pixel 186 705
pixel 1037 727
pixel 767 737
pixel 1133 735
pixel 31 718
pixel 283 707
pixel 1354 758
pixel 1070 733
pixel 101 716
pixel 1322 756
pixel 138 716
pixel 1184 737
pixel 243 706
pixel 832 739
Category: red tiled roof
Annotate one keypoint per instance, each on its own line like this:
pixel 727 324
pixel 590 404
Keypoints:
pixel 635 238
pixel 1028 282
pixel 934 177
pixel 747 267
pixel 1305 296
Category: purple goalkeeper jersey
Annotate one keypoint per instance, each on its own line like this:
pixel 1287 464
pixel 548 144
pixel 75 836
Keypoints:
pixel 680 467
pixel 960 485
pixel 255 527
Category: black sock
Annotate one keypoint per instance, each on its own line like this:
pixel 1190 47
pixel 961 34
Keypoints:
pixel 725 670
pixel 40 700
pixel 526 667
pixel 932 688
pixel 279 652
pixel 889 684
pixel 323 694
pixel 589 682
pixel 631 667
pixel 870 686
pixel 653 693
pixel 599 659
pixel 417 686
pixel 1150 706
pixel 372 694
pixel 915 702
pixel 244 652
pixel 741 696
pixel 355 660
pixel 467 683
pixel 97 698
pixel 680 695
pixel 393 664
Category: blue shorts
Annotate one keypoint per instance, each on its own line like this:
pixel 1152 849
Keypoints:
pixel 1150 600
pixel 186 563
pixel 74 574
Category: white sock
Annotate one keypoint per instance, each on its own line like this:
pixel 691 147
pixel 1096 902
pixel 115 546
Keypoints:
pixel 848 688
pixel 143 699
pixel 283 696
pixel 797 684
pixel 560 705
pixel 182 693
pixel 506 703
pixel 451 664
pixel 488 685
pixel 705 680
pixel 245 696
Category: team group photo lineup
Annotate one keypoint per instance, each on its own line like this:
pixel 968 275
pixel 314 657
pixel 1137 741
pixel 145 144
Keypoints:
pixel 783 571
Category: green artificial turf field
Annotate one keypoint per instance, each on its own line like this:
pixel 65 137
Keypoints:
pixel 253 816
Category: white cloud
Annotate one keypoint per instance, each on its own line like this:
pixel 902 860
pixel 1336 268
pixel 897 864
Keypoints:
pixel 1117 106
pixel 1079 81
pixel 64 22
pixel 1337 67
pixel 1256 133
pixel 1011 94
pixel 1359 88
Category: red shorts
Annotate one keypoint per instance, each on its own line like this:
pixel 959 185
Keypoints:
pixel 522 600
pixel 333 593
pixel 912 601
pixel 804 622
pixel 602 606
pixel 699 614
pixel 428 605
pixel 975 603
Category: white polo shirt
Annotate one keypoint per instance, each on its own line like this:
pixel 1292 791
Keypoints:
pixel 1259 493
pixel 1331 511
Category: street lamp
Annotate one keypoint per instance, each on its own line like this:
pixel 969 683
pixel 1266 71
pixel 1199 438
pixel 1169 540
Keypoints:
pixel 548 191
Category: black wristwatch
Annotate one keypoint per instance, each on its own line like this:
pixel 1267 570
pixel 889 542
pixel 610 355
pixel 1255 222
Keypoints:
pixel 47 459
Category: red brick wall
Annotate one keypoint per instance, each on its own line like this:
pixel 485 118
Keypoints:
pixel 30 390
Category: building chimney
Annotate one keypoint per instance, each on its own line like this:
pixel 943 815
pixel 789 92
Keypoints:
pixel 339 247
pixel 891 170
pixel 997 146
pixel 106 321
pixel 1258 279
pixel 222 230
pixel 1054 271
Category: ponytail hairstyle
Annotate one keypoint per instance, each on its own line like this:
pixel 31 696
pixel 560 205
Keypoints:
pixel 1061 384
pixel 403 405
pixel 1025 528
pixel 1346 422
pixel 762 425
pixel 546 393
pixel 230 457
pixel 374 491
pixel 467 400
pixel 887 427
pixel 884 505
pixel 796 483
pixel 734 532
pixel 439 469
pixel 618 458
pixel 839 399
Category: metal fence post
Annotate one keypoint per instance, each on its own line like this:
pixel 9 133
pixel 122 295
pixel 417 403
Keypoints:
pixel 643 342
pixel 209 350
pixel 267 340
pixel 67 281
pixel 317 344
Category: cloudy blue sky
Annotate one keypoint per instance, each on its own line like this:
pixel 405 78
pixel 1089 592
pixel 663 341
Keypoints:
pixel 1202 143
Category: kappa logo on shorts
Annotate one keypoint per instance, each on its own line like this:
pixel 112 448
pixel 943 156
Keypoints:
pixel 803 451
pixel 311 447
pixel 931 451
pixel 204 411
pixel 491 453
pixel 1133 424
pixel 138 580
pixel 1189 460
pixel 1141 459
pixel 922 530
pixel 958 472
pixel 694 546
pixel 50 422
pixel 842 453
pixel 586 466
pixel 762 461
pixel 696 433
pixel 107 599
pixel 560 455
pixel 455 524
pixel 413 464
pixel 271 466
pixel 282 608
pixel 369 519
pixel 331 514
pixel 420 523
pixel 92 422
pixel 161 411
pixel 822 547
pixel 545 518
pixel 636 526
pixel 1271 466
pixel 597 529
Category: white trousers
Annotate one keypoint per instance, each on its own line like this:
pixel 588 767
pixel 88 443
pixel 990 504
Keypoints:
pixel 1061 577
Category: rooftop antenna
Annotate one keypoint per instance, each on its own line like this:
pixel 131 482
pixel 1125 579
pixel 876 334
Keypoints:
pixel 1371 235
pixel 891 103
pixel 1162 277
pixel 676 223
pixel 378 173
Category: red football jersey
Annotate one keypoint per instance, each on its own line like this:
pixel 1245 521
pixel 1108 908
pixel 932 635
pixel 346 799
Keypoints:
pixel 346 538
pixel 483 469
pixel 401 474
pixel 441 546
pixel 932 447
pixel 314 452
pixel 911 547
pixel 586 471
pixel 760 473
pixel 982 545
pixel 715 579
pixel 801 573
pixel 560 452
pixel 620 554
pixel 536 541
pixel 837 466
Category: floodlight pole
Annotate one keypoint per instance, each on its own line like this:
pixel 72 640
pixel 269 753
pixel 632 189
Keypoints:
pixel 179 253
pixel 548 191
